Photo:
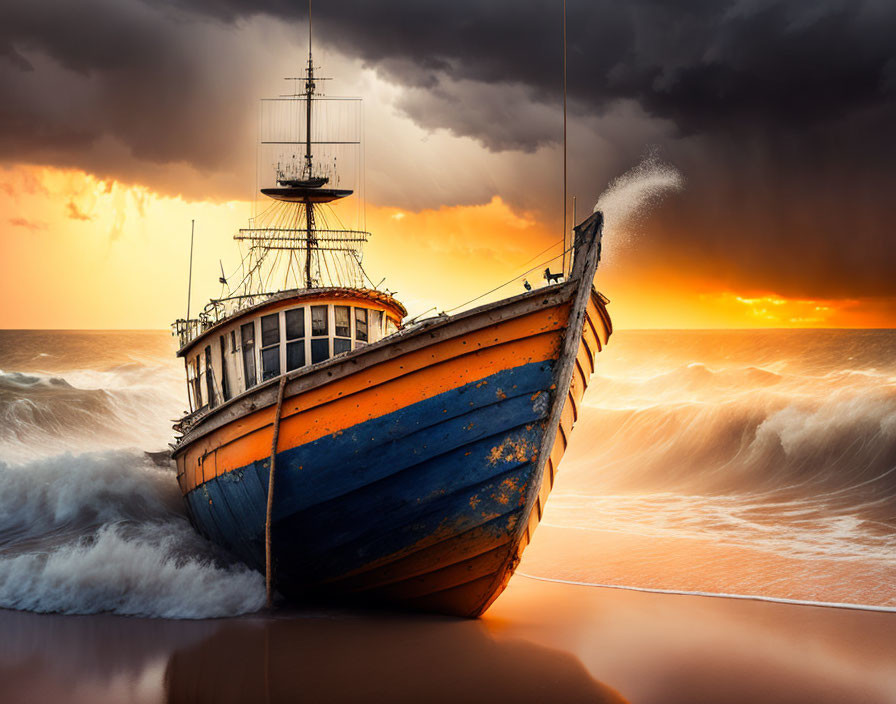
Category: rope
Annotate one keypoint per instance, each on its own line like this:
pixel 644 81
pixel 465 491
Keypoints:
pixel 268 569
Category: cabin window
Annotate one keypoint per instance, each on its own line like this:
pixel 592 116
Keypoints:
pixel 197 381
pixel 320 350
pixel 270 346
pixel 295 355
pixel 319 321
pixel 295 338
pixel 193 385
pixel 233 340
pixel 342 318
pixel 247 333
pixel 209 377
pixel 295 324
pixel 270 362
pixel 270 330
pixel 225 382
pixel 376 324
pixel 391 327
pixel 361 324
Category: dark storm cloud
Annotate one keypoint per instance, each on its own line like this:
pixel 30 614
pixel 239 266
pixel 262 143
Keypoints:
pixel 705 64
pixel 780 114
pixel 117 87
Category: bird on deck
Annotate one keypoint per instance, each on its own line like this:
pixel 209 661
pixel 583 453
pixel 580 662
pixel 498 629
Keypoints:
pixel 527 285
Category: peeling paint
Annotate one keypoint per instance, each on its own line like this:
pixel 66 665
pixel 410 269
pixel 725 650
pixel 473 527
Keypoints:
pixel 541 404
pixel 506 490
pixel 512 450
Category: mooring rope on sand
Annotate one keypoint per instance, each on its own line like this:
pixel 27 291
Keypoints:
pixel 268 570
pixel 717 595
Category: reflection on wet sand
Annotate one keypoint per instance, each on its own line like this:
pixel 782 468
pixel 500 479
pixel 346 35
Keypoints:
pixel 539 642
pixel 320 657
pixel 374 658
pixel 96 659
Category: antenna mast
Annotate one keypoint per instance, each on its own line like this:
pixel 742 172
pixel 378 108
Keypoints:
pixel 563 265
pixel 190 278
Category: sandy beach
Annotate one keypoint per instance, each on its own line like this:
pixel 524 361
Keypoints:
pixel 540 642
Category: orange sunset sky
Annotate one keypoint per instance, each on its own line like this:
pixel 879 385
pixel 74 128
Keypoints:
pixel 103 168
pixel 80 252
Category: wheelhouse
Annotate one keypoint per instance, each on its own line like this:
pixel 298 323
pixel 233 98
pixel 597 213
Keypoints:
pixel 272 338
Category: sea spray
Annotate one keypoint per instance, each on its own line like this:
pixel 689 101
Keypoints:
pixel 629 197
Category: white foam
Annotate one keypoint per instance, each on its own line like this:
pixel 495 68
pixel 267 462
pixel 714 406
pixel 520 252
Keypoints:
pixel 137 576
pixel 107 532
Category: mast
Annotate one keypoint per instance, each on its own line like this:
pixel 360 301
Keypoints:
pixel 302 222
pixel 301 218
pixel 311 241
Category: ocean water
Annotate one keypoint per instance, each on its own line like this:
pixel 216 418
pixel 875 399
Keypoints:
pixel 756 463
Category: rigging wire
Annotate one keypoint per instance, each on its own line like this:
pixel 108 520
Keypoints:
pixel 510 281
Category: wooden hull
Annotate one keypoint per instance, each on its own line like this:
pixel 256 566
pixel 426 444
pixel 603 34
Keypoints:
pixel 411 472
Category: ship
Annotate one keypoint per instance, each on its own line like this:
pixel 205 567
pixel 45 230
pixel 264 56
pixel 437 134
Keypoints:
pixel 354 455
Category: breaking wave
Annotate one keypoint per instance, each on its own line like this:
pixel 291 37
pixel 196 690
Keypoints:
pixel 747 431
pixel 126 406
pixel 89 522
pixel 107 532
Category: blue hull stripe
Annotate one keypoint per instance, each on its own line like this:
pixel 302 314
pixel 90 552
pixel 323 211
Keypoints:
pixel 409 479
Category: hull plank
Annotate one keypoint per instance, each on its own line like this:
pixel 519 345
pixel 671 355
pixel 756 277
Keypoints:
pixel 454 575
pixel 462 512
pixel 461 547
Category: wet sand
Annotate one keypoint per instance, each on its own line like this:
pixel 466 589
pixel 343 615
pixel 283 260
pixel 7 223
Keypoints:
pixel 540 642
pixel 704 565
